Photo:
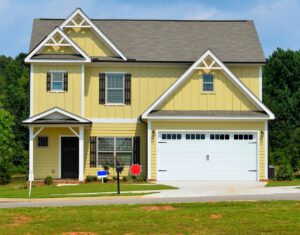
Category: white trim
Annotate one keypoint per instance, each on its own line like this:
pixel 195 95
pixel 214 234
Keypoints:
pixel 227 72
pixel 167 118
pixel 58 61
pixel 260 82
pixel 31 89
pixel 81 154
pixel 38 132
pixel 82 89
pixel 31 157
pixel 56 30
pixel 79 119
pixel 266 135
pixel 74 132
pixel 101 35
pixel 257 132
pixel 149 135
pixel 114 120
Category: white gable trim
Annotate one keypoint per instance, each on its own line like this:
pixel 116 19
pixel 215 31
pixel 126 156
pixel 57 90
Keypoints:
pixel 44 42
pixel 53 110
pixel 95 28
pixel 227 72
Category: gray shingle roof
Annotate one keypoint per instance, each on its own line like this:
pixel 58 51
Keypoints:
pixel 172 40
pixel 200 113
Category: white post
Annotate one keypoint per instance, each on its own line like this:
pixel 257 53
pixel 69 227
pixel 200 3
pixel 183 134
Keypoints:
pixel 149 134
pixel 266 150
pixel 82 90
pixel 81 154
pixel 31 175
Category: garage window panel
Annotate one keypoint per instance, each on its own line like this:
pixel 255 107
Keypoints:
pixel 219 136
pixel 191 136
pixel 169 136
pixel 243 136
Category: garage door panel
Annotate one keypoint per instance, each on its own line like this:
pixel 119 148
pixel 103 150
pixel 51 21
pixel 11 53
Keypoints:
pixel 207 159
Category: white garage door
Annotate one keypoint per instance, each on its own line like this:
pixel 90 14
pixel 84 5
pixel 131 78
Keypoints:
pixel 206 156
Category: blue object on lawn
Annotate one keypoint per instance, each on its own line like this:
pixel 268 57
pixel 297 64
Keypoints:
pixel 102 173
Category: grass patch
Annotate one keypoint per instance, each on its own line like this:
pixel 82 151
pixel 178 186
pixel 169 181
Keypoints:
pixel 294 182
pixel 19 189
pixel 275 217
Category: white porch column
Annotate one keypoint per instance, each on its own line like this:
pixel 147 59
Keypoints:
pixel 149 134
pixel 31 137
pixel 81 154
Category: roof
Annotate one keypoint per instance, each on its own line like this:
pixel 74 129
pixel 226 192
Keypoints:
pixel 233 41
pixel 198 113
pixel 59 57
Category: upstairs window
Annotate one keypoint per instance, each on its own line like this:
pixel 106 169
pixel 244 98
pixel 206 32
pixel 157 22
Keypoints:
pixel 115 88
pixel 57 81
pixel 208 82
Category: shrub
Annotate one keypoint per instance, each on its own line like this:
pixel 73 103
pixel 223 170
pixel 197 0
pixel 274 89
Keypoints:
pixel 140 179
pixel 48 180
pixel 125 178
pixel 285 172
pixel 105 180
pixel 5 176
pixel 114 178
pixel 90 178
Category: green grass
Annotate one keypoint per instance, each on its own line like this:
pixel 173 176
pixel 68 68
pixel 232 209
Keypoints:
pixel 19 190
pixel 275 217
pixel 294 182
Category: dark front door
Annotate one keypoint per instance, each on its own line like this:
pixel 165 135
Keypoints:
pixel 69 157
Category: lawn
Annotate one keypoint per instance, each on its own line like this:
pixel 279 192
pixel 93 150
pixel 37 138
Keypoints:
pixel 294 182
pixel 19 190
pixel 275 217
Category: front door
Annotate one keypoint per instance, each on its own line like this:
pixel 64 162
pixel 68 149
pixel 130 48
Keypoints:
pixel 69 157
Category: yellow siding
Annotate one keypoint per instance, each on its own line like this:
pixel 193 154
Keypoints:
pixel 70 100
pixel 57 50
pixel 225 96
pixel 115 130
pixel 148 83
pixel 209 126
pixel 88 41
pixel 46 159
pixel 249 76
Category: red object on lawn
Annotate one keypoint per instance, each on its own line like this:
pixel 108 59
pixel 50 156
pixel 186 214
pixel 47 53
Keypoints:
pixel 135 169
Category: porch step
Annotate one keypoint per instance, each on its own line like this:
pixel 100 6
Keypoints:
pixel 58 181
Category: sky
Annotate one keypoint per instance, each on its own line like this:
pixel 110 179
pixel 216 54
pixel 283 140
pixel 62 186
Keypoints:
pixel 277 21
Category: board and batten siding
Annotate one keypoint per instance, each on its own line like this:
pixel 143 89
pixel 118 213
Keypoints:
pixel 190 96
pixel 115 130
pixel 215 125
pixel 44 100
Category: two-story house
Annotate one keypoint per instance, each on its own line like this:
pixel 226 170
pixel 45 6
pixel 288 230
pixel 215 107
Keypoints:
pixel 182 98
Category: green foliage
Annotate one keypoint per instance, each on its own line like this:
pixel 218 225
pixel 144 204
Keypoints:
pixel 285 172
pixel 125 178
pixel 5 176
pixel 105 180
pixel 114 178
pixel 48 180
pixel 91 178
pixel 7 136
pixel 282 95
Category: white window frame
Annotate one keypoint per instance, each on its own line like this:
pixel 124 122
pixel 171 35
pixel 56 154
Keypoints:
pixel 106 88
pixel 213 82
pixel 115 148
pixel 51 80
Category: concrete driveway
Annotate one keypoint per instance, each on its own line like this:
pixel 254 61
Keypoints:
pixel 206 189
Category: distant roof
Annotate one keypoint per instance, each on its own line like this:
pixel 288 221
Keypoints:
pixel 233 41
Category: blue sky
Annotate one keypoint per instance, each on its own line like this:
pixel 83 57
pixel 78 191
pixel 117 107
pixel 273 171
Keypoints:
pixel 277 21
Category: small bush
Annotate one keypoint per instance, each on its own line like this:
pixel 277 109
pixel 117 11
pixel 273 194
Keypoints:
pixel 140 179
pixel 91 178
pixel 105 180
pixel 285 172
pixel 114 178
pixel 125 178
pixel 5 176
pixel 48 180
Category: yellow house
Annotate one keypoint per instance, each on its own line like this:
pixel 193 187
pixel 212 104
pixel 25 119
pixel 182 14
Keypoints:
pixel 181 98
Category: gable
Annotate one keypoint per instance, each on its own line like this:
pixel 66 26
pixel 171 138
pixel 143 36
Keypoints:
pixel 189 96
pixel 208 62
pixel 88 41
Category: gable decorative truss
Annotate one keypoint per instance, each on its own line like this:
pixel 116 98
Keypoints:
pixel 57 38
pixel 56 114
pixel 208 61
pixel 78 19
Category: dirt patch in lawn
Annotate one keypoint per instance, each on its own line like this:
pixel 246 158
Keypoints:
pixel 215 216
pixel 20 220
pixel 158 208
pixel 79 233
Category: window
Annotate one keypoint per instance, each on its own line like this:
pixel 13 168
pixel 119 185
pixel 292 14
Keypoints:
pixel 219 136
pixel 208 82
pixel 171 136
pixel 195 136
pixel 114 149
pixel 42 141
pixel 243 136
pixel 57 81
pixel 115 88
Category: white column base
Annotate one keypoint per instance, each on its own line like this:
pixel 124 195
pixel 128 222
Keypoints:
pixel 81 154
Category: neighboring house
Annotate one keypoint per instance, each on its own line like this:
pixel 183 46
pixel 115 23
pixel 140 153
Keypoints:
pixel 183 98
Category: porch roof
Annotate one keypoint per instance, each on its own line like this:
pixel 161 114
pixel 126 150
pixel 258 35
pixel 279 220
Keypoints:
pixel 56 116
